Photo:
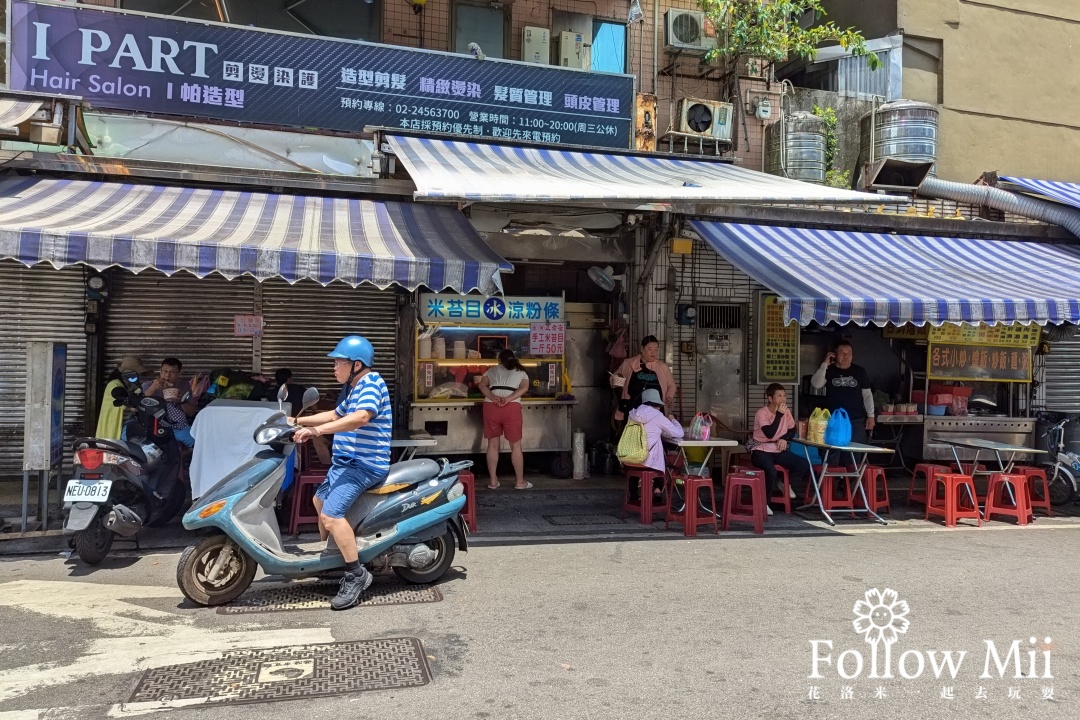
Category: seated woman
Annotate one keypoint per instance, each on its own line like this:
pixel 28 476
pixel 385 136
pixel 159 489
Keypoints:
pixel 773 428
pixel 657 427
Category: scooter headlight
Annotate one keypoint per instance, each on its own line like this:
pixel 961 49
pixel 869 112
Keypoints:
pixel 267 435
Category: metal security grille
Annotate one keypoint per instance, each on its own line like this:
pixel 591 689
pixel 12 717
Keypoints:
pixel 154 316
pixel 39 303
pixel 1063 376
pixel 303 322
pixel 719 317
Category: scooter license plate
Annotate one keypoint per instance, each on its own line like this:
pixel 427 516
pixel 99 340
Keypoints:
pixel 87 490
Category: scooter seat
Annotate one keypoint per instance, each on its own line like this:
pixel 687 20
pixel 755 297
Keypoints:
pixel 405 474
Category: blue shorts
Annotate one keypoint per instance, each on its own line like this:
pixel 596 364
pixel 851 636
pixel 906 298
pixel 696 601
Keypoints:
pixel 343 485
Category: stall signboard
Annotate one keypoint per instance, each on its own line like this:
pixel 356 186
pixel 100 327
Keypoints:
pixel 167 65
pixel 778 343
pixel 450 308
pixel 992 363
pixel 247 325
pixel 905 332
pixel 547 339
pixel 982 334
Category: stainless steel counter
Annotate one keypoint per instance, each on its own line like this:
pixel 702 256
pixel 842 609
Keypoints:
pixel 458 426
pixel 1013 431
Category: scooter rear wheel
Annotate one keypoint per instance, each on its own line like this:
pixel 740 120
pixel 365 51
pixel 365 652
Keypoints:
pixel 196 563
pixel 445 546
pixel 94 543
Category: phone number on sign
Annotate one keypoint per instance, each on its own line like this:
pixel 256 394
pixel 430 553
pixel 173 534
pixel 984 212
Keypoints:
pixel 430 112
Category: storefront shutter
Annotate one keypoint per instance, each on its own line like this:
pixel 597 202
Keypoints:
pixel 303 322
pixel 1062 379
pixel 39 303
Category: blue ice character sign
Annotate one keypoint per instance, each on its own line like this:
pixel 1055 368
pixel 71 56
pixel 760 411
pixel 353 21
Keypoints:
pixel 494 308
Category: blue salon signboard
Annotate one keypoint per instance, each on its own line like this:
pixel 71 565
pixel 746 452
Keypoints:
pixel 180 67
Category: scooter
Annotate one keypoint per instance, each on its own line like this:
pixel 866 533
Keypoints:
pixel 121 485
pixel 410 522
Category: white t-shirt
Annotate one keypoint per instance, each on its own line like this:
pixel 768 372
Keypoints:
pixel 501 379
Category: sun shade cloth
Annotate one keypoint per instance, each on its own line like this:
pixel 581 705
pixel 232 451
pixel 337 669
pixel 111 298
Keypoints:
pixel 66 222
pixel 826 275
pixel 487 172
pixel 1062 192
pixel 14 112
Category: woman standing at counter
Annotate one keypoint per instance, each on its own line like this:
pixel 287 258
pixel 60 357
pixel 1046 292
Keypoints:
pixel 503 387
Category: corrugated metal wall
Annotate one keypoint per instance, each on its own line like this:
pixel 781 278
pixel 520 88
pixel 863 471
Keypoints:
pixel 1062 376
pixel 38 303
pixel 305 321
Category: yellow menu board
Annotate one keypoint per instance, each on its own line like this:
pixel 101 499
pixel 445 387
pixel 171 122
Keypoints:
pixel 979 362
pixel 982 334
pixel 779 343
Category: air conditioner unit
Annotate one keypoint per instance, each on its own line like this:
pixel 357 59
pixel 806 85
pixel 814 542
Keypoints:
pixel 707 118
pixel 573 52
pixel 536 45
pixel 684 32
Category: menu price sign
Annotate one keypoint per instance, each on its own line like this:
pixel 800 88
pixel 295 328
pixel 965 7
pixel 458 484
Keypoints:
pixel 979 362
pixel 982 334
pixel 779 342
pixel 547 339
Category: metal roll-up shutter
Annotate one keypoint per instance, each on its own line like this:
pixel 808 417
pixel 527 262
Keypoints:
pixel 1062 378
pixel 303 322
pixel 154 316
pixel 39 303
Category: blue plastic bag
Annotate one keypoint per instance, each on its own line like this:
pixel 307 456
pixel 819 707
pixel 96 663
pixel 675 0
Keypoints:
pixel 838 431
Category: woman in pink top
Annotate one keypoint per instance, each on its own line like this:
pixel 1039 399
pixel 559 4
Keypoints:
pixel 773 428
pixel 657 427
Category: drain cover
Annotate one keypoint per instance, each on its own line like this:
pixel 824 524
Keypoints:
pixel 316 596
pixel 288 673
pixel 598 519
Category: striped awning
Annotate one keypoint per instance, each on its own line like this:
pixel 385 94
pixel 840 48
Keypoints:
pixel 1062 192
pixel 490 172
pixel 203 231
pixel 15 111
pixel 865 278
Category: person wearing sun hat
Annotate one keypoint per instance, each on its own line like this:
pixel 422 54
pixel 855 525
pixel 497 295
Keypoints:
pixel 110 417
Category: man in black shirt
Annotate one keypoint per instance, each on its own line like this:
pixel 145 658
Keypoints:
pixel 847 386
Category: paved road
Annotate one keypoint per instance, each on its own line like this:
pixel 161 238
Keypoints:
pixel 646 629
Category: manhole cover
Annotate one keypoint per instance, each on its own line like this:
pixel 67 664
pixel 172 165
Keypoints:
pixel 316 596
pixel 288 673
pixel 598 519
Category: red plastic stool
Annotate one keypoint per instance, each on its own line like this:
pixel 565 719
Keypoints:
pixel 998 504
pixel 468 513
pixel 691 515
pixel 782 496
pixel 735 509
pixel 644 506
pixel 303 503
pixel 927 470
pixel 877 496
pixel 951 506
pixel 1035 475
pixel 828 487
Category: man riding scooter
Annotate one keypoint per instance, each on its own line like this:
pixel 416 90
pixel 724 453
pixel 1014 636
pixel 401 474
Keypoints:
pixel 362 426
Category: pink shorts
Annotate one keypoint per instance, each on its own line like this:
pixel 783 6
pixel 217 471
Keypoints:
pixel 505 421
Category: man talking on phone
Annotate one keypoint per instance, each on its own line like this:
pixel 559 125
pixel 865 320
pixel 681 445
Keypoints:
pixel 847 386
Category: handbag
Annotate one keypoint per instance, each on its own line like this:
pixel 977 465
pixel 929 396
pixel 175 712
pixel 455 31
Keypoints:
pixel 701 427
pixel 815 427
pixel 633 448
pixel 838 430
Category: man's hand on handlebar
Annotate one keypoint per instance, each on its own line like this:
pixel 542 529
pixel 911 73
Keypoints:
pixel 303 434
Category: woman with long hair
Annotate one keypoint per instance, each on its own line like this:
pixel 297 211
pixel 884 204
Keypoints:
pixel 503 387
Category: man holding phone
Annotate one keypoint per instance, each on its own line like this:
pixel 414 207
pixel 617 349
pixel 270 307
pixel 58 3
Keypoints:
pixel 847 386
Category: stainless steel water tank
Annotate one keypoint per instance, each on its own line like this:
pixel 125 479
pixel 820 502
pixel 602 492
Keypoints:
pixel 904 130
pixel 805 148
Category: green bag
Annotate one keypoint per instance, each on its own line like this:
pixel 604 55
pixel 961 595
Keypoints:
pixel 633 448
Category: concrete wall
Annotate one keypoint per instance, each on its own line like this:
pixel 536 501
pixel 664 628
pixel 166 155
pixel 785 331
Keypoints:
pixel 1001 72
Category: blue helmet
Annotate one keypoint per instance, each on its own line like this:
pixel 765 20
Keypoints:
pixel 355 348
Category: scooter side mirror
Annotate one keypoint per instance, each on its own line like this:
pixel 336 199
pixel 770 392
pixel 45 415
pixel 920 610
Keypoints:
pixel 282 395
pixel 311 396
pixel 119 393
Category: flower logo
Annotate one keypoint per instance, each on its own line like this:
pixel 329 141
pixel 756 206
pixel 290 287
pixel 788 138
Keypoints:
pixel 881 617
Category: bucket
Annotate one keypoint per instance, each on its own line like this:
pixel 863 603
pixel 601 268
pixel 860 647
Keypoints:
pixel 425 348
pixel 439 348
pixel 459 350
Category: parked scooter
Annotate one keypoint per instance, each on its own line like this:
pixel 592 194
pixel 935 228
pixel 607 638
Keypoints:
pixel 410 522
pixel 121 485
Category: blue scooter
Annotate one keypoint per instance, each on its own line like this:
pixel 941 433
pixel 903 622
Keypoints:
pixel 410 522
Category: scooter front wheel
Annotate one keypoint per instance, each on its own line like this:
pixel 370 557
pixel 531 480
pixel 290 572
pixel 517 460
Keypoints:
pixel 198 565
pixel 445 548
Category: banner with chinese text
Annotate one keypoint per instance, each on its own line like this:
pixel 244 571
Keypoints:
pixel 979 362
pixel 494 310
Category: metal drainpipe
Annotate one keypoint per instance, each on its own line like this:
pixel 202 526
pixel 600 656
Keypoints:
pixel 1003 200
pixel 655 40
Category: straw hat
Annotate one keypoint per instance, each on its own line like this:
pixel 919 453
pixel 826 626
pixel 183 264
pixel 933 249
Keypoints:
pixel 130 362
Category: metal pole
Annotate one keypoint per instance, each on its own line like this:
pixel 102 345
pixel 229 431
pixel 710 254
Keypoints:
pixel 25 497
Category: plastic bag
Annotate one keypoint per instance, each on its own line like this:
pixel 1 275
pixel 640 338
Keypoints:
pixel 838 430
pixel 633 448
pixel 815 427
pixel 701 427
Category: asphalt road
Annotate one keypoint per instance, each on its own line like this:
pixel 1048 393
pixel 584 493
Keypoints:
pixel 647 629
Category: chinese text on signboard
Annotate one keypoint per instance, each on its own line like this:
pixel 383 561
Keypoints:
pixel 547 339
pixel 247 325
pixel 180 67
pixel 779 343
pixel 493 310
pixel 980 362
pixel 1008 335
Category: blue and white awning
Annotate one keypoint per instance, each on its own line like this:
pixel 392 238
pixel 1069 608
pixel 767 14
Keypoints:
pixel 826 275
pixel 203 231
pixel 1062 192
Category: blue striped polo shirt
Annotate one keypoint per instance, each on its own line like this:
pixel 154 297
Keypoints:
pixel 369 444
